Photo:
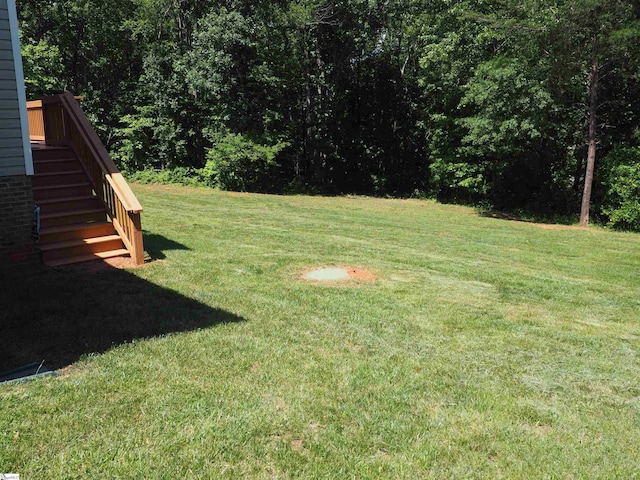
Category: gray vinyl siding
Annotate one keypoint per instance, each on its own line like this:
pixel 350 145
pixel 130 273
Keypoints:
pixel 12 159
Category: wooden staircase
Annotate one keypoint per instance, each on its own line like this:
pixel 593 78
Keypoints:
pixel 74 225
pixel 87 211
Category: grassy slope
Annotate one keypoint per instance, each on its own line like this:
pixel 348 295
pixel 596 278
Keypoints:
pixel 486 348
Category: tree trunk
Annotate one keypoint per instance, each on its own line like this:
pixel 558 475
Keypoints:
pixel 320 156
pixel 307 122
pixel 591 153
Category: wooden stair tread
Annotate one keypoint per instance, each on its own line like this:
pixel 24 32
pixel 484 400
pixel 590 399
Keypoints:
pixel 65 199
pixel 48 149
pixel 69 213
pixel 86 258
pixel 65 172
pixel 71 227
pixel 66 185
pixel 54 160
pixel 43 146
pixel 76 243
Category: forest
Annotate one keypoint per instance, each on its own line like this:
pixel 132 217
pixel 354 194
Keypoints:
pixel 514 106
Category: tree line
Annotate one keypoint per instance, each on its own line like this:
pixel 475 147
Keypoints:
pixel 516 105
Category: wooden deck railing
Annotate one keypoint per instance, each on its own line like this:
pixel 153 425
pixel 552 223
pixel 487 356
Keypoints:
pixel 64 123
pixel 36 121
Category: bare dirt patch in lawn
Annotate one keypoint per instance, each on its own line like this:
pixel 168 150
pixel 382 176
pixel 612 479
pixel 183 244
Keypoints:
pixel 337 274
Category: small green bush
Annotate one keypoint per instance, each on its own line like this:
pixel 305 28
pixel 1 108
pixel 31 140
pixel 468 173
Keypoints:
pixel 187 176
pixel 237 162
pixel 621 183
pixel 461 181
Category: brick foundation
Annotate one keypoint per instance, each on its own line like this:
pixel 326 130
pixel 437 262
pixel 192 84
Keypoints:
pixel 16 219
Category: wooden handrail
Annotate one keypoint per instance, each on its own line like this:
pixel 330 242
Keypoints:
pixel 66 124
pixel 100 153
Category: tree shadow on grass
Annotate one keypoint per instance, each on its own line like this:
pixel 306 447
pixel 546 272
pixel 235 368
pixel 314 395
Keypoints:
pixel 519 216
pixel 57 315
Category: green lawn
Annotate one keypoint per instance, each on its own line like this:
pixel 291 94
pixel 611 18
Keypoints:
pixel 485 348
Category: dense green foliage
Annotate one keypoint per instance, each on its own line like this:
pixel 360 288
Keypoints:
pixel 472 101
pixel 622 188
pixel 238 163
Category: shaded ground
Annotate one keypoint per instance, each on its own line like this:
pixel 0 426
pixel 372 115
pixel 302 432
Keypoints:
pixel 552 222
pixel 59 315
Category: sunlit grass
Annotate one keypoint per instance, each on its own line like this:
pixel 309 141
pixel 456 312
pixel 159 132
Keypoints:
pixel 485 348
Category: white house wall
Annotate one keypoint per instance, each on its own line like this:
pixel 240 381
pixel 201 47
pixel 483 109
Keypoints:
pixel 15 153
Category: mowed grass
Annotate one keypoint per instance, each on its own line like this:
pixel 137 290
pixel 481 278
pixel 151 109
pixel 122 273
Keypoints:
pixel 485 348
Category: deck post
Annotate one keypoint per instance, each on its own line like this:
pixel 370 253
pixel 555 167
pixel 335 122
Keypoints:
pixel 138 247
